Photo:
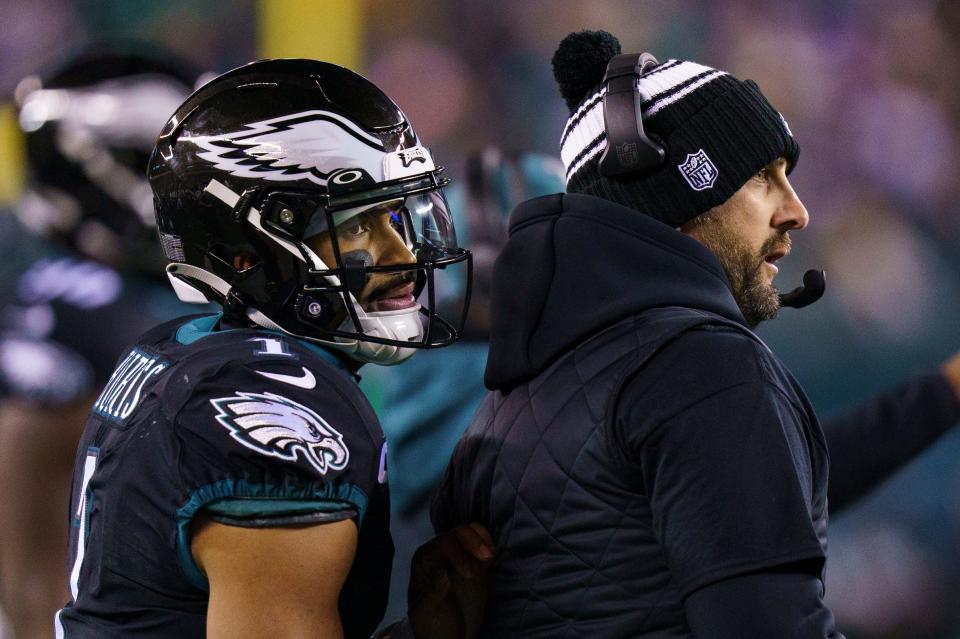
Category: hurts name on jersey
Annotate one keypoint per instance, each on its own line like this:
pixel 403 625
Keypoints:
pixel 125 388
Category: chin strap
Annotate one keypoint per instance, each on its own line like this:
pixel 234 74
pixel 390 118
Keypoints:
pixel 232 199
pixel 190 281
pixel 184 277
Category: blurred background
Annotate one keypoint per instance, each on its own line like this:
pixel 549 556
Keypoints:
pixel 871 89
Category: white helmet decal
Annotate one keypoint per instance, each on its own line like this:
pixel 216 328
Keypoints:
pixel 307 145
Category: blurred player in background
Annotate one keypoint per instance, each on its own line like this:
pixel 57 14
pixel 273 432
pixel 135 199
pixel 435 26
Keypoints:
pixel 232 477
pixel 81 279
pixel 428 403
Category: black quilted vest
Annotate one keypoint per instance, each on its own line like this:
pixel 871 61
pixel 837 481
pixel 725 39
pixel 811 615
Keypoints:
pixel 584 293
pixel 579 559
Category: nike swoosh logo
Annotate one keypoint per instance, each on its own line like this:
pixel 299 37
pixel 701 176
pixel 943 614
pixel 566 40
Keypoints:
pixel 307 380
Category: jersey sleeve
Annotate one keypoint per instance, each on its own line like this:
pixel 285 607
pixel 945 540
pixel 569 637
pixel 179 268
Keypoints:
pixel 730 484
pixel 270 443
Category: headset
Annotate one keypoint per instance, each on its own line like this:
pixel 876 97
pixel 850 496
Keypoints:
pixel 631 150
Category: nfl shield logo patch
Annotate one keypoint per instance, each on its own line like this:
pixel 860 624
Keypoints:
pixel 699 171
pixel 627 154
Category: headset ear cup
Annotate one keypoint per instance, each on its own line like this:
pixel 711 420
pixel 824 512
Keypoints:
pixel 629 149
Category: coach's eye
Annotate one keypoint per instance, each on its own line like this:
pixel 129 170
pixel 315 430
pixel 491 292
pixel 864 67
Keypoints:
pixel 761 175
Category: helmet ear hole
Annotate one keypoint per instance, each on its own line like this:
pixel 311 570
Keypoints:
pixel 238 261
pixel 243 262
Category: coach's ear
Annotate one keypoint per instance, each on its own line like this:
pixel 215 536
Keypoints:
pixel 448 584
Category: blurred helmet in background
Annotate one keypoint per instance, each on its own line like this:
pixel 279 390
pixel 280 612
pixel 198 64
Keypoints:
pixel 493 183
pixel 89 124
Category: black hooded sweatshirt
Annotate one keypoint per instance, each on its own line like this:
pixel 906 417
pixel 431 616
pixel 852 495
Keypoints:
pixel 647 467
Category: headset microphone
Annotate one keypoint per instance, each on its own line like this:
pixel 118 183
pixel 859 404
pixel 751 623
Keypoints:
pixel 814 284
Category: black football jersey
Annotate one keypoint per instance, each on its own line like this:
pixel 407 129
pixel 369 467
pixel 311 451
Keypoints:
pixel 251 426
pixel 64 319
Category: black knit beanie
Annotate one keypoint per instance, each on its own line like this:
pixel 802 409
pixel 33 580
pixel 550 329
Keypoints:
pixel 717 131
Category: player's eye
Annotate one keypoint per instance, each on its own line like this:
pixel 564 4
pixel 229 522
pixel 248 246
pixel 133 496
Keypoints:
pixel 354 229
pixel 762 175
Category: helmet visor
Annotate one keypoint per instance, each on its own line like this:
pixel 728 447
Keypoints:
pixel 382 255
pixel 421 222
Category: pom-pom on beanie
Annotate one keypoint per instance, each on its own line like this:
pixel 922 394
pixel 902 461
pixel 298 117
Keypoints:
pixel 717 131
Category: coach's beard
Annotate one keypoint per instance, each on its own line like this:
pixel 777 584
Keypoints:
pixel 758 299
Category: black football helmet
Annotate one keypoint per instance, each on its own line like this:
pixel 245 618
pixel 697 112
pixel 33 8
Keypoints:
pixel 268 162
pixel 89 126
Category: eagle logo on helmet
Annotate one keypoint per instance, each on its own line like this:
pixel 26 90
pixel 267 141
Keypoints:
pixel 280 427
pixel 300 146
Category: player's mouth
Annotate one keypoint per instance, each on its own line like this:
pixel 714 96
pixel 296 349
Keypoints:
pixel 394 299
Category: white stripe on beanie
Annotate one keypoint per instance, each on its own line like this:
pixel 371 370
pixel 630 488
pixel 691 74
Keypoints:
pixel 592 149
pixel 584 135
pixel 575 117
pixel 669 99
pixel 581 137
pixel 665 79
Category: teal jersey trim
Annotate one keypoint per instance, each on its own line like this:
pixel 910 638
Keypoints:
pixel 271 508
pixel 324 354
pixel 197 328
pixel 203 326
pixel 238 497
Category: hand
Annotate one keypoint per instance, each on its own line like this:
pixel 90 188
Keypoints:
pixel 951 370
pixel 448 584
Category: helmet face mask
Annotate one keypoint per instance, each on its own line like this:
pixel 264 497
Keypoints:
pixel 311 217
pixel 378 259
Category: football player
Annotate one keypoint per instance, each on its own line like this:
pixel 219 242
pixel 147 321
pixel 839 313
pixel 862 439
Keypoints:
pixel 231 479
pixel 76 291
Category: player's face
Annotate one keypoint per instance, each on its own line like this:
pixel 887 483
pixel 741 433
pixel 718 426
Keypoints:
pixel 748 233
pixel 375 238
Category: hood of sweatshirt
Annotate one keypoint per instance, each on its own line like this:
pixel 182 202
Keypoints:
pixel 576 264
